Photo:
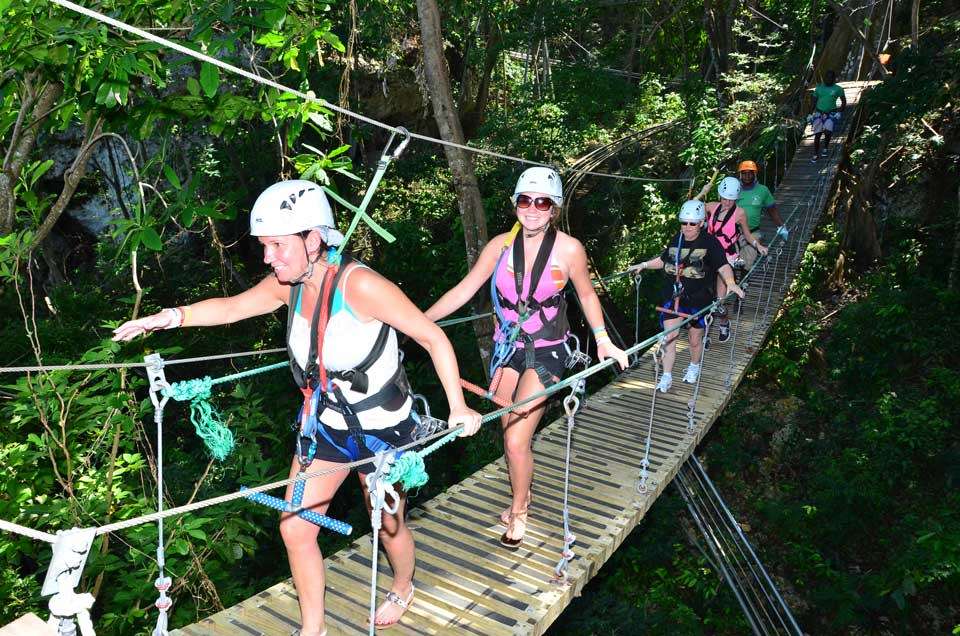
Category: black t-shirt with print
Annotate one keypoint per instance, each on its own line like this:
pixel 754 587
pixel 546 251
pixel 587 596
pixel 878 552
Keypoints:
pixel 699 261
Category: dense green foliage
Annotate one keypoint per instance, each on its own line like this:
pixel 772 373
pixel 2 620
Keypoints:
pixel 78 448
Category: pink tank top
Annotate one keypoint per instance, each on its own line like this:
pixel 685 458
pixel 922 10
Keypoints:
pixel 722 224
pixel 551 283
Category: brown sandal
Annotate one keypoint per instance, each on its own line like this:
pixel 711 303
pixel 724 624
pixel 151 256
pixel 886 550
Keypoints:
pixel 505 514
pixel 518 525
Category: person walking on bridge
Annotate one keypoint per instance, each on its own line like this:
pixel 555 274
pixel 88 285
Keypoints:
pixel 528 269
pixel 825 112
pixel 727 222
pixel 342 342
pixel 692 261
pixel 755 199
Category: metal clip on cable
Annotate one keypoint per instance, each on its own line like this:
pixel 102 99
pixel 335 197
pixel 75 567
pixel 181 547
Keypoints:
pixel 644 478
pixel 378 489
pixel 571 404
pixel 426 425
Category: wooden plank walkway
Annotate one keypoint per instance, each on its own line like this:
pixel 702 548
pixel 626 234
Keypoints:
pixel 466 582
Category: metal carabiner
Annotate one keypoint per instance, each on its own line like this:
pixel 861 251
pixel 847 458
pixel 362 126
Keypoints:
pixel 390 156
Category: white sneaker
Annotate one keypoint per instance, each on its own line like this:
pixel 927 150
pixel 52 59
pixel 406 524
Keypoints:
pixel 693 372
pixel 666 381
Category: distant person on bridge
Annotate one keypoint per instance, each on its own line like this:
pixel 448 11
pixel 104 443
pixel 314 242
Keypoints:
pixel 528 269
pixel 727 222
pixel 825 112
pixel 692 261
pixel 755 199
pixel 356 398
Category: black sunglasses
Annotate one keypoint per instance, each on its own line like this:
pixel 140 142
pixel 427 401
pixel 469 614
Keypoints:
pixel 541 203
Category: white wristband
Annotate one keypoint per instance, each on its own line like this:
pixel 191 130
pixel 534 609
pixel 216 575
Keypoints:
pixel 177 317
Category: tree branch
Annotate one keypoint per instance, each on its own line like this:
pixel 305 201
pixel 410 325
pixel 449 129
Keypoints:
pixel 71 180
pixel 867 45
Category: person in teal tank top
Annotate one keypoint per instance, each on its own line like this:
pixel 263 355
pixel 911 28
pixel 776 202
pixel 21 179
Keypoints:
pixel 294 224
pixel 825 112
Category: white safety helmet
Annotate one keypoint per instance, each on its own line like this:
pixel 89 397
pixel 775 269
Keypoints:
pixel 692 212
pixel 540 179
pixel 291 207
pixel 729 188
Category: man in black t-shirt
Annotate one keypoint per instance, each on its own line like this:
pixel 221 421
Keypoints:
pixel 691 261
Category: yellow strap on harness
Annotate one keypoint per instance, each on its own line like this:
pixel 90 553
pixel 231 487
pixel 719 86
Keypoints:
pixel 512 234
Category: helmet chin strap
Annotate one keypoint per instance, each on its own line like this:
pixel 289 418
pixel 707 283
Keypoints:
pixel 307 273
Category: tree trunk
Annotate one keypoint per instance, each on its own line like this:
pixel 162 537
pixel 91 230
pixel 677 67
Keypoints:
pixel 955 265
pixel 493 45
pixel 868 46
pixel 460 161
pixel 71 179
pixel 632 49
pixel 832 57
pixel 22 142
pixel 915 24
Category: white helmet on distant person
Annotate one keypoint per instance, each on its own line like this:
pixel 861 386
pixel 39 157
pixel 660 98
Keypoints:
pixel 291 207
pixel 692 212
pixel 542 180
pixel 729 188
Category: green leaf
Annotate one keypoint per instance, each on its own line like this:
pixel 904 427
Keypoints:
pixel 151 239
pixel 272 40
pixel 187 217
pixel 172 177
pixel 193 86
pixel 209 79
pixel 338 151
pixel 58 54
pixel 332 39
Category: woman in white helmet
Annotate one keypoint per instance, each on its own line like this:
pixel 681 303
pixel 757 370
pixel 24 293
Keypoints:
pixel 528 273
pixel 726 222
pixel 356 400
pixel 691 261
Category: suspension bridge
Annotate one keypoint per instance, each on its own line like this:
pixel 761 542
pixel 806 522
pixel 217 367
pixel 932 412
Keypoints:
pixel 628 444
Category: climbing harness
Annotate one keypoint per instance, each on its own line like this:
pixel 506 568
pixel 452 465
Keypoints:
pixel 725 229
pixel 571 405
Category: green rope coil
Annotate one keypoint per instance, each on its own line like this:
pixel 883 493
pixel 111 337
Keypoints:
pixel 409 468
pixel 206 419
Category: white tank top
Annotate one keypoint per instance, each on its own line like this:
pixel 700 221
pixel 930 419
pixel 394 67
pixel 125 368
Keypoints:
pixel 346 343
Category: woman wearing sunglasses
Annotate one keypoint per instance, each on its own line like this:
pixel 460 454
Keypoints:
pixel 692 262
pixel 342 342
pixel 528 269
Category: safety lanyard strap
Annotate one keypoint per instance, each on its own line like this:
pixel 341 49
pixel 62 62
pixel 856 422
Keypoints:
pixel 539 264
